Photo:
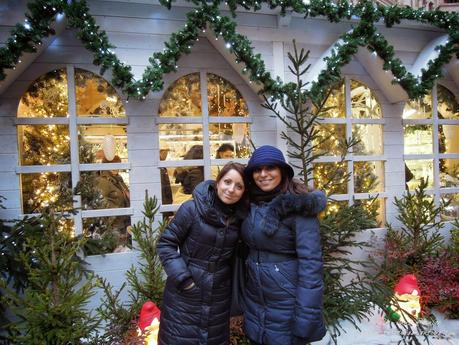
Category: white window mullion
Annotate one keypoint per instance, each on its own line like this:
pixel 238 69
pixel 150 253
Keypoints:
pixel 205 126
pixel 41 121
pixel 350 165
pixel 74 147
pixel 436 149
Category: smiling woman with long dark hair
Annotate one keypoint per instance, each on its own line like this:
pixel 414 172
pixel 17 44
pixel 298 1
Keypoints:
pixel 283 295
pixel 197 297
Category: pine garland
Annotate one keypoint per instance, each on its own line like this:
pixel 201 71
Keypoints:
pixel 25 38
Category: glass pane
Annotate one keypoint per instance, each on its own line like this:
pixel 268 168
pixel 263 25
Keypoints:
pixel 104 189
pixel 331 177
pixel 180 141
pixel 451 212
pixel 422 168
pixel 182 181
pixel 335 105
pixel 330 140
pixel 67 225
pixel 95 96
pixel 449 172
pixel 363 102
pixel 448 138
pixel 46 96
pixel 368 177
pixel 102 143
pixel 448 107
pixel 418 109
pixel 229 140
pixel 110 234
pixel 333 206
pixel 182 98
pixel 418 139
pixel 43 145
pixel 376 207
pixel 44 189
pixel 223 98
pixel 370 139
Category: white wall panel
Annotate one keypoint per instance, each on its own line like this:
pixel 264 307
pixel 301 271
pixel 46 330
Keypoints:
pixel 8 142
pixel 8 181
pixel 11 196
pixel 9 162
pixel 142 158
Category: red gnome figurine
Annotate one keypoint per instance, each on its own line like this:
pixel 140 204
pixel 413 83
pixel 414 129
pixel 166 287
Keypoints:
pixel 408 295
pixel 149 322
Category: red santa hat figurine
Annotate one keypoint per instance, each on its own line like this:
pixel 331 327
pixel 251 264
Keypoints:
pixel 407 295
pixel 149 322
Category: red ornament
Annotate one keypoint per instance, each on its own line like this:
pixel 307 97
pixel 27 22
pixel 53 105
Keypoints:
pixel 148 313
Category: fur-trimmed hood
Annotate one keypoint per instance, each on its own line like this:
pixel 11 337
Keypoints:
pixel 308 205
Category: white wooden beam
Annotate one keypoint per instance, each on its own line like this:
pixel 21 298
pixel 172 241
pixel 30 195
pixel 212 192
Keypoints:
pixel 373 64
pixel 28 58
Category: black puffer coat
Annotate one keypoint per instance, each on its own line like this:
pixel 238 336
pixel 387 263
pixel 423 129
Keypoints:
pixel 206 238
pixel 285 283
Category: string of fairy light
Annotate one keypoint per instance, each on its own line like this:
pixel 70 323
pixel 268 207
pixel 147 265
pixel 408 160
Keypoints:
pixel 27 36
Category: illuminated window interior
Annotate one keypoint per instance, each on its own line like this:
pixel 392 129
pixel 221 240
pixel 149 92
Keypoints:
pixel 431 145
pixel 351 111
pixel 49 131
pixel 208 137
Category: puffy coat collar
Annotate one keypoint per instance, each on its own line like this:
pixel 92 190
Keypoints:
pixel 204 197
pixel 308 204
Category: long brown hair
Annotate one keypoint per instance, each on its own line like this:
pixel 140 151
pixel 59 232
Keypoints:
pixel 292 185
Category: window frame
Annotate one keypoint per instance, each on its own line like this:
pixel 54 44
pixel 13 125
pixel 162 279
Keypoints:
pixel 435 156
pixel 349 121
pixel 203 120
pixel 72 121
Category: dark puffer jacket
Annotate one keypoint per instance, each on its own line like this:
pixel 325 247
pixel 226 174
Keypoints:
pixel 206 239
pixel 285 282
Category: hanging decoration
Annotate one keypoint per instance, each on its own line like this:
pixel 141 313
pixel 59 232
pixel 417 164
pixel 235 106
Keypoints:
pixel 26 37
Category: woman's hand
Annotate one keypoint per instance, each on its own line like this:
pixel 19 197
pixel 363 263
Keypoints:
pixel 189 286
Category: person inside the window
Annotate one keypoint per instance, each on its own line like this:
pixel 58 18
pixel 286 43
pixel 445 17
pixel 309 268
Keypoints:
pixel 225 151
pixel 114 193
pixel 189 178
pixel 166 190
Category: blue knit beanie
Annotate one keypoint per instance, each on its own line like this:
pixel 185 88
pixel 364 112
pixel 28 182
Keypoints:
pixel 267 155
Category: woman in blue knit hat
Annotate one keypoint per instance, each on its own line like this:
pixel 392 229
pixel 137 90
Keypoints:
pixel 284 288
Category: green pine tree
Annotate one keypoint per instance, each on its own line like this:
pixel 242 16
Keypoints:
pixel 418 237
pixel 52 307
pixel 144 282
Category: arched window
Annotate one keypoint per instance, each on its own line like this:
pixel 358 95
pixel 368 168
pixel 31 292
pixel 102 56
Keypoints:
pixel 431 145
pixel 203 123
pixel 352 111
pixel 72 127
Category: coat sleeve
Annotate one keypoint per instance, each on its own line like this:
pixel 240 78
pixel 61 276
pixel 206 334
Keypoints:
pixel 167 246
pixel 308 318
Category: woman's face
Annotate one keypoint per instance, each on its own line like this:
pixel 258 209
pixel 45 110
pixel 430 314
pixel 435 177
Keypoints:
pixel 230 187
pixel 267 177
